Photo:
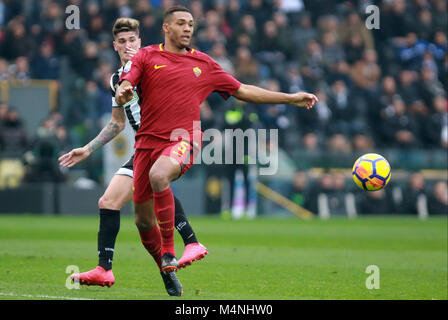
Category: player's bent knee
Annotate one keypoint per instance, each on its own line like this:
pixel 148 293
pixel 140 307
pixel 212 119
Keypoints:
pixel 144 224
pixel 159 181
pixel 108 203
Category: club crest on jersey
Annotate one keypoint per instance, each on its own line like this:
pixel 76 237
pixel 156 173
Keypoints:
pixel 127 67
pixel 197 71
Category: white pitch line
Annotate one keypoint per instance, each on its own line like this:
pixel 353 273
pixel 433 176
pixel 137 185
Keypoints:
pixel 12 294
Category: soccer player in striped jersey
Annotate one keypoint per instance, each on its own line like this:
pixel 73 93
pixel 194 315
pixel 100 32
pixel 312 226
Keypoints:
pixel 119 190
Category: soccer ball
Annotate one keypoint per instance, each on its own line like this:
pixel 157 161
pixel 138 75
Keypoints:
pixel 371 172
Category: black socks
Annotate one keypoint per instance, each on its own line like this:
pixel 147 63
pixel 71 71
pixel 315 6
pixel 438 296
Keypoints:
pixel 109 227
pixel 182 224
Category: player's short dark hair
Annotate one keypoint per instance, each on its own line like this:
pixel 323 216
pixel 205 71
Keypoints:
pixel 169 12
pixel 124 25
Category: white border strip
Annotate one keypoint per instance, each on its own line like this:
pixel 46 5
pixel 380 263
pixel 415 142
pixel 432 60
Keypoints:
pixel 12 294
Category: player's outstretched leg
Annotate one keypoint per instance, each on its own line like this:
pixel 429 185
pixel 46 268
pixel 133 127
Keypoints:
pixel 193 252
pixel 116 195
pixel 193 249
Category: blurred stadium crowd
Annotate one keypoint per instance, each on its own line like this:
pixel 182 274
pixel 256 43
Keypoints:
pixel 382 88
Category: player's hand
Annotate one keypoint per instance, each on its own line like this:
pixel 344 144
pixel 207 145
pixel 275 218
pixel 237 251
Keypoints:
pixel 303 99
pixel 124 94
pixel 73 157
pixel 130 52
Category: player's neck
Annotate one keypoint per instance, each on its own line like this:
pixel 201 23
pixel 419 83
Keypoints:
pixel 170 47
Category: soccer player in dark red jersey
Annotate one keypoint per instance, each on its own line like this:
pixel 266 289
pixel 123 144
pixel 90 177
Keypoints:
pixel 119 191
pixel 172 80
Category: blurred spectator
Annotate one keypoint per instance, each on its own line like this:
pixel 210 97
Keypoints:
pixel 275 116
pixel 247 27
pixel 323 111
pixel 354 28
pixel 106 53
pixel 246 67
pixel 256 9
pixel 53 18
pixel 142 9
pixel 303 33
pixel 332 51
pixel 339 143
pixel 395 19
pixel 3 113
pixel 408 89
pixel 233 14
pixel 150 31
pixel 366 72
pixel 439 15
pixel 342 109
pixel 41 161
pixel 293 81
pixel 46 64
pixel 312 63
pixel 375 202
pixel 429 85
pixel 283 33
pixel 436 124
pixel 208 38
pixel 89 61
pixel 17 42
pixel 399 128
pixel 13 136
pixel 329 196
pixel 362 143
pixel 414 189
pixel 4 70
pixel 310 142
pixel 21 69
pixel 439 46
pixel 438 201
pixel 354 48
pixel 424 26
pixel 299 192
pixel 219 54
pixel 410 50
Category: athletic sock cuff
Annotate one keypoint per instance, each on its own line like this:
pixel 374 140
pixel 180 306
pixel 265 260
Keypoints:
pixel 162 193
pixel 109 211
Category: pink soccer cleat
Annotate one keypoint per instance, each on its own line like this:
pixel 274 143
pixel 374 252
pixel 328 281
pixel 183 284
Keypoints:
pixel 193 252
pixel 95 277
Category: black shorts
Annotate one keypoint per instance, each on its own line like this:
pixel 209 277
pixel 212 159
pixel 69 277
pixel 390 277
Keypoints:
pixel 127 169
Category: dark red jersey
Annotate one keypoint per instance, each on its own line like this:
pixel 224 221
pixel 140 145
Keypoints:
pixel 171 88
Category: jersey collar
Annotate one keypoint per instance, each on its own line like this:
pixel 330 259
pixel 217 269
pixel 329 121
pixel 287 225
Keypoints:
pixel 162 45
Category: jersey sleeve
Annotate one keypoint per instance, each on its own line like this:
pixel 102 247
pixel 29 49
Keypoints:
pixel 134 69
pixel 223 83
pixel 113 86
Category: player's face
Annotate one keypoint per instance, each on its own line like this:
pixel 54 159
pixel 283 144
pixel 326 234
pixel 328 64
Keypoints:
pixel 126 44
pixel 179 29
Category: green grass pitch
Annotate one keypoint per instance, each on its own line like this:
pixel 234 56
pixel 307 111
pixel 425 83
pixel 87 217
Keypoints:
pixel 265 258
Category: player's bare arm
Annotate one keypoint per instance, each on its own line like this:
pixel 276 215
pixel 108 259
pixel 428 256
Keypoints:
pixel 259 95
pixel 110 131
pixel 124 93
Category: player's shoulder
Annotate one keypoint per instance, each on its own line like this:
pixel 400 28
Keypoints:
pixel 114 78
pixel 150 49
pixel 203 57
pixel 200 55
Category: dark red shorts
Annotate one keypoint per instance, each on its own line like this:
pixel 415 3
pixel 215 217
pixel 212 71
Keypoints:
pixel 182 151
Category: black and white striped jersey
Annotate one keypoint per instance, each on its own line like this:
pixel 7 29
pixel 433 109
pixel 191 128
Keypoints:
pixel 132 108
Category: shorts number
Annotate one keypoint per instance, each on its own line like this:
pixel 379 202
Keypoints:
pixel 181 149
